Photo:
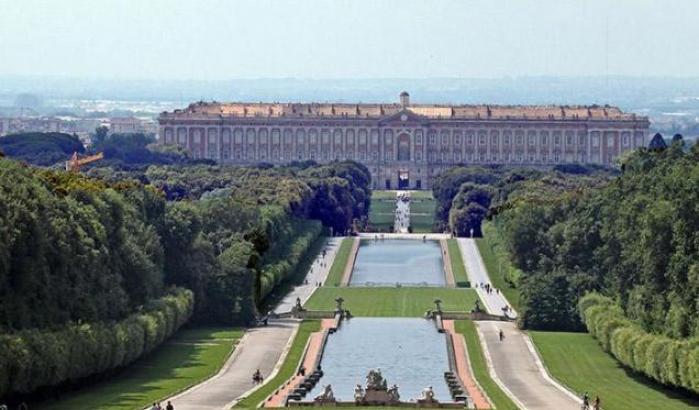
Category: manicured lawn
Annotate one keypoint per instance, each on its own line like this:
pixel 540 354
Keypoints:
pixel 423 206
pixel 496 264
pixel 191 356
pixel 385 302
pixel 457 264
pixel 422 212
pixel 577 360
pixel 335 276
pixel 480 366
pixel 421 223
pixel 380 194
pixel 288 369
pixel 421 195
pixel 382 213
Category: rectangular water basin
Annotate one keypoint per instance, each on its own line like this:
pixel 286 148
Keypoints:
pixel 392 262
pixel 409 351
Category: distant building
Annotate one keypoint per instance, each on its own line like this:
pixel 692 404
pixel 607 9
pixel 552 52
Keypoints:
pixel 13 125
pixel 404 145
pixel 128 125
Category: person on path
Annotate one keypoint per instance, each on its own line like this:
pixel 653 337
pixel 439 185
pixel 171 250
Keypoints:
pixel 501 335
pixel 302 371
pixel 154 406
pixel 257 377
pixel 597 404
pixel 586 401
pixel 169 406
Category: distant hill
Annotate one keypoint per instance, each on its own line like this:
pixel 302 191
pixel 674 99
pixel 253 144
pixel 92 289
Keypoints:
pixel 41 148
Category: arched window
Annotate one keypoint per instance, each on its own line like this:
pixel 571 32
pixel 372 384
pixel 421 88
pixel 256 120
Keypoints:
pixel 403 147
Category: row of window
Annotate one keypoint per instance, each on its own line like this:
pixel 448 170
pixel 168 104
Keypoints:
pixel 263 136
pixel 435 157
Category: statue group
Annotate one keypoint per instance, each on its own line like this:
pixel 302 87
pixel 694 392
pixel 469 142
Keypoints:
pixel 376 391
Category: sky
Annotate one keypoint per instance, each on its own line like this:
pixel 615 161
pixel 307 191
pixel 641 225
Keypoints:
pixel 342 39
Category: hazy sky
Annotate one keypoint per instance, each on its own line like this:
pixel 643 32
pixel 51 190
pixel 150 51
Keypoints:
pixel 210 39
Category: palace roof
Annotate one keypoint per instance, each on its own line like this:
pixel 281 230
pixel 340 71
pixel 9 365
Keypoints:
pixel 378 111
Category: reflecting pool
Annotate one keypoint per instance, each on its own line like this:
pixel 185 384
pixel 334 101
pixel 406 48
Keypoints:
pixel 409 351
pixel 398 261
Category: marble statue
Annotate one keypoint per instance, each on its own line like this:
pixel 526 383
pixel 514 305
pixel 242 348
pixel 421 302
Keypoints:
pixel 327 396
pixel 358 393
pixel 393 393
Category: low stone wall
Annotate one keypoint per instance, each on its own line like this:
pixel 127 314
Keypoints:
pixel 477 316
pixel 413 405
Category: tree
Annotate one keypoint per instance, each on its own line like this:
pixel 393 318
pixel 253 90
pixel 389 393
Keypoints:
pixel 100 135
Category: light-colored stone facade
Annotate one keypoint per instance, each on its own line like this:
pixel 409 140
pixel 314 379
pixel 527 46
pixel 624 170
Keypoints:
pixel 403 145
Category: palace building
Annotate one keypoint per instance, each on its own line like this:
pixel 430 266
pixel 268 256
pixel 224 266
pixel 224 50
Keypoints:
pixel 404 145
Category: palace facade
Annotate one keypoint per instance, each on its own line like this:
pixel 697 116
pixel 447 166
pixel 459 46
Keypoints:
pixel 403 145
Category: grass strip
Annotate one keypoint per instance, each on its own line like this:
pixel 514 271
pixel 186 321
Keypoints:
pixel 480 367
pixel 338 268
pixel 578 361
pixel 288 368
pixel 496 265
pixel 457 264
pixel 191 356
pixel 392 302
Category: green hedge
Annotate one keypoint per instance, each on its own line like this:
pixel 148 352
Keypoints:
pixel 32 359
pixel 306 232
pixel 668 361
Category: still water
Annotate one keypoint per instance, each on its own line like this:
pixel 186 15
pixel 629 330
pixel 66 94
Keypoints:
pixel 409 351
pixel 398 261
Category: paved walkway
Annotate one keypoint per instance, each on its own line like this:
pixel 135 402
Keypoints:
pixel 261 348
pixel 477 274
pixel 316 274
pixel 516 365
pixel 402 218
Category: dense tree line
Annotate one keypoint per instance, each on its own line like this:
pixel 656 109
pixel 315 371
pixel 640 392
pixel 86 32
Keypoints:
pixel 466 196
pixel 135 150
pixel 335 193
pixel 74 249
pixel 673 362
pixel 93 251
pixel 41 148
pixel 635 239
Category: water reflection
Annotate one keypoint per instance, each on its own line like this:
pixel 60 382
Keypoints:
pixel 394 262
pixel 409 351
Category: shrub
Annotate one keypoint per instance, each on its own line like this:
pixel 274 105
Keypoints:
pixel 32 359
pixel 665 360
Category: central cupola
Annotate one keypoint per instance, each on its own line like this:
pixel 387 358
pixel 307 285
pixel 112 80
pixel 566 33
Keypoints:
pixel 404 99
